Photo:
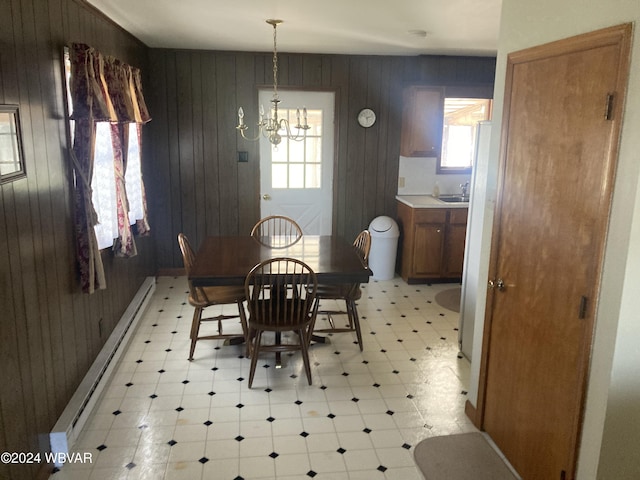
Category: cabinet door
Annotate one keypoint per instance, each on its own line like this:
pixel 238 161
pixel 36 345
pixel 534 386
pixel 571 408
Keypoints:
pixel 422 117
pixel 428 249
pixel 454 258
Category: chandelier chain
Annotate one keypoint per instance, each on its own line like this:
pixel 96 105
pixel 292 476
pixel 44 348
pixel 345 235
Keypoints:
pixel 270 126
pixel 275 61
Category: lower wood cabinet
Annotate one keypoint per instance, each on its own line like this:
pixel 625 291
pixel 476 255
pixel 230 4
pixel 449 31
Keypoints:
pixel 432 243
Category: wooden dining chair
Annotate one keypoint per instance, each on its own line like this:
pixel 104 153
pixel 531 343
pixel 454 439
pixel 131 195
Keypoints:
pixel 349 293
pixel 280 296
pixel 277 231
pixel 203 297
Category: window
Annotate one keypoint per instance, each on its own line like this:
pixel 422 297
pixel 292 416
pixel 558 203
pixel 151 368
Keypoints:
pixel 103 181
pixel 11 157
pixel 298 164
pixel 461 117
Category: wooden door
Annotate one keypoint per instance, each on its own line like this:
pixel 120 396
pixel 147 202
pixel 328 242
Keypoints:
pixel 563 108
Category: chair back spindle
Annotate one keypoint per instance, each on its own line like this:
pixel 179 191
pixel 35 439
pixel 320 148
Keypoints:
pixel 277 231
pixel 362 243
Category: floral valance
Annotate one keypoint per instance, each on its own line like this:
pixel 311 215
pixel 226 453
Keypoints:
pixel 105 89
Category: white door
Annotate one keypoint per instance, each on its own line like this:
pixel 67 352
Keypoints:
pixel 296 177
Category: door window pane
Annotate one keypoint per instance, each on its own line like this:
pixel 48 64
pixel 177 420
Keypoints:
pixel 279 175
pixel 296 176
pixel 297 164
pixel 313 172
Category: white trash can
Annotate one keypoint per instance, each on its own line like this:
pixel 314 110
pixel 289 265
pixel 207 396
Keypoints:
pixel 384 245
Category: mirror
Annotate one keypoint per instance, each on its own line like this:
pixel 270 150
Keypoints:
pixel 461 117
pixel 11 156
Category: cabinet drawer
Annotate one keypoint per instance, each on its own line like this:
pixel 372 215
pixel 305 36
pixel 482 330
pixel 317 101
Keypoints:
pixel 430 215
pixel 458 215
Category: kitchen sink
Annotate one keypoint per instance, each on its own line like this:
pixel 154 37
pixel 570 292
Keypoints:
pixel 454 198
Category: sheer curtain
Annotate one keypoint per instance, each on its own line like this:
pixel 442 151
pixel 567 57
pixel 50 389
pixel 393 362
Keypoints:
pixel 135 182
pixel 104 194
pixel 104 188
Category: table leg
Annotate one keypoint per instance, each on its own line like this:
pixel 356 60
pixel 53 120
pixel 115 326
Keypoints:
pixel 278 354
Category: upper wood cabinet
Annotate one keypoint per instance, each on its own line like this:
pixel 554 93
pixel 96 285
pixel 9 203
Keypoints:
pixel 422 117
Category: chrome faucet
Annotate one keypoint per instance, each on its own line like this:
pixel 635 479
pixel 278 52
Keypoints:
pixel 465 189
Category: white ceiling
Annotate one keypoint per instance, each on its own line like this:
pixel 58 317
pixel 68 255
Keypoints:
pixel 369 27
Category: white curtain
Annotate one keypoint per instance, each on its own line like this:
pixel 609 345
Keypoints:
pixel 104 187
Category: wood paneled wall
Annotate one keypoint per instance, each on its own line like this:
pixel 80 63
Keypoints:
pixel 50 333
pixel 199 187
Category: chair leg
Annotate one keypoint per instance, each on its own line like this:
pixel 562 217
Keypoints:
pixel 312 326
pixel 354 321
pixel 245 328
pixel 330 320
pixel 350 313
pixel 304 348
pixel 278 341
pixel 255 351
pixel 195 328
pixel 251 334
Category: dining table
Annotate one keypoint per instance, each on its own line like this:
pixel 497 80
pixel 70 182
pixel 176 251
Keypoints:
pixel 226 260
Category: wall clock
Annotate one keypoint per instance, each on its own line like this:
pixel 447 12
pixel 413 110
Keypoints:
pixel 366 117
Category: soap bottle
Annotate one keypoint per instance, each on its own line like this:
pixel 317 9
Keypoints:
pixel 436 190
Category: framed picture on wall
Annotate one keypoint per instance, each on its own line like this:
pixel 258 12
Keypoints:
pixel 11 154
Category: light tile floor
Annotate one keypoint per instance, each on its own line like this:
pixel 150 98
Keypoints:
pixel 163 417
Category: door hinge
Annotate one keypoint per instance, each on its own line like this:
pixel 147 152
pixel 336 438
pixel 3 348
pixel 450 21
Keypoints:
pixel 582 312
pixel 608 109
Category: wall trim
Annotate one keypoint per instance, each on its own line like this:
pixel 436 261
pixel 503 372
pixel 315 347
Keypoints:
pixel 66 430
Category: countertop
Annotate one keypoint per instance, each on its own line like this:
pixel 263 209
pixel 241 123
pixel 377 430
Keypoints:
pixel 429 201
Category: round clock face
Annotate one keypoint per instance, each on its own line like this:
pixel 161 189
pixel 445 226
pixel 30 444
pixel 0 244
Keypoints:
pixel 366 117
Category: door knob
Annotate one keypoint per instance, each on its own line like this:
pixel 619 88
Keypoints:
pixel 266 196
pixel 499 284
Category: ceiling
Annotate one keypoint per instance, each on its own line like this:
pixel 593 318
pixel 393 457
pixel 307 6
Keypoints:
pixel 367 27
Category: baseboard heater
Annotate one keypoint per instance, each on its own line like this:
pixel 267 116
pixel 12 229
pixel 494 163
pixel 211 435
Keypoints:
pixel 69 425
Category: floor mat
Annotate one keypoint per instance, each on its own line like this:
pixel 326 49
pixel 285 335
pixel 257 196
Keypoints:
pixel 467 456
pixel 449 299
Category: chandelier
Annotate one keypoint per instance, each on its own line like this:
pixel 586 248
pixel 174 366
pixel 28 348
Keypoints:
pixel 271 125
